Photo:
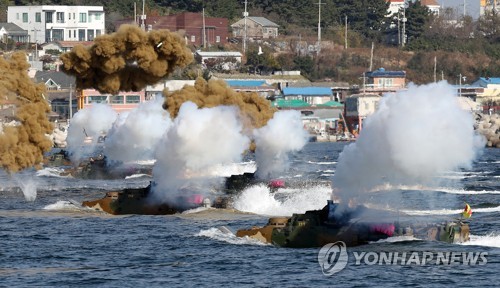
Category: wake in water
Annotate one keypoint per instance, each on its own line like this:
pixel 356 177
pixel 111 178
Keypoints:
pixel 216 234
pixel 490 240
pixel 449 211
pixel 258 199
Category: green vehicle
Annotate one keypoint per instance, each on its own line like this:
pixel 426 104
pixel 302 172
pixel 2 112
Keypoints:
pixel 319 227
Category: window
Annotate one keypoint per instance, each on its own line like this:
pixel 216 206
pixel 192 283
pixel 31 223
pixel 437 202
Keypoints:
pixel 117 99
pixel 48 17
pixel 97 16
pixel 60 17
pixel 69 34
pixel 217 39
pixel 193 38
pixel 81 34
pixel 83 17
pixel 131 99
pixel 90 34
pixel 57 34
pixel 25 17
pixel 74 33
pixel 97 99
pixel 38 17
pixel 69 16
pixel 17 16
pixel 98 32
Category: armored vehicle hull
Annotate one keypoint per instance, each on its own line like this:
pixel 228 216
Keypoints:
pixel 319 227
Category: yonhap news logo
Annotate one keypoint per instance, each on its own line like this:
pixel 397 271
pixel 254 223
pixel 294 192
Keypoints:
pixel 333 258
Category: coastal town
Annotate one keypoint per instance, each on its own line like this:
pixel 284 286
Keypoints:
pixel 303 143
pixel 331 110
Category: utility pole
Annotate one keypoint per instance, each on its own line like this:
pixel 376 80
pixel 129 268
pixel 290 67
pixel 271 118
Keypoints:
pixel 319 26
pixel 404 26
pixel 143 17
pixel 435 66
pixel 204 31
pixel 70 101
pixel 345 40
pixel 464 7
pixel 245 15
pixel 371 57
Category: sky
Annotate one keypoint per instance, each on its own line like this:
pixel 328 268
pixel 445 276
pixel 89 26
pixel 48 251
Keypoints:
pixel 471 6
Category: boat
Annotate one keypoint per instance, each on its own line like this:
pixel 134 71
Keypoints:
pixel 319 227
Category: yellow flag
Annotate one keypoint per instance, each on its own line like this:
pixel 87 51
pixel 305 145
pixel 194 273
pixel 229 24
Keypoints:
pixel 467 211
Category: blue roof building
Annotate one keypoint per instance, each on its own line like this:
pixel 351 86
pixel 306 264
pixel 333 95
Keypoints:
pixel 312 95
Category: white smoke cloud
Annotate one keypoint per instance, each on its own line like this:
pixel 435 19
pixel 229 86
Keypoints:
pixel 135 135
pixel 412 137
pixel 92 122
pixel 283 134
pixel 197 140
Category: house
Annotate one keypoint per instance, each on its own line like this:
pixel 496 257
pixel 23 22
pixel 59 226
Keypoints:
pixel 432 5
pixel 47 23
pixel 395 6
pixel 155 91
pixel 258 86
pixel 64 46
pixel 60 91
pixel 198 30
pixel 122 102
pixel 384 81
pixel 357 107
pixel 13 32
pixel 311 95
pixel 227 59
pixel 491 92
pixel 339 89
pixel 256 28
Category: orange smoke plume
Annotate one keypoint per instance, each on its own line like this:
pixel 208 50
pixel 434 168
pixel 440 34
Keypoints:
pixel 126 60
pixel 255 110
pixel 22 146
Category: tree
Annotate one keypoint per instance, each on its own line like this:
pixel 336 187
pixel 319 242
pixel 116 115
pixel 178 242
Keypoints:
pixel 418 17
pixel 364 16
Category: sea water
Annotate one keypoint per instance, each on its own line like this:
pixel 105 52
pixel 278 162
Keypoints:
pixel 45 240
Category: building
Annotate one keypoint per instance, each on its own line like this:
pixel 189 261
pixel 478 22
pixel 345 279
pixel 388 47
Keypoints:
pixel 489 5
pixel 60 92
pixel 198 30
pixel 357 107
pixel 432 5
pixel 311 95
pixel 258 86
pixel 10 31
pixel 257 28
pixel 124 101
pixel 47 23
pixel 491 91
pixel 395 6
pixel 228 60
pixel 64 46
pixel 384 81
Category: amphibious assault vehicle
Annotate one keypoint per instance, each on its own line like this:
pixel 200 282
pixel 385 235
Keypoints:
pixel 320 227
pixel 136 201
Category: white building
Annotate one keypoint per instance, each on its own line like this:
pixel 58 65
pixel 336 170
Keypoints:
pixel 47 23
pixel 395 6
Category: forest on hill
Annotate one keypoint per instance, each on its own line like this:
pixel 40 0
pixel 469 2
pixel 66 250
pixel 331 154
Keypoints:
pixel 449 44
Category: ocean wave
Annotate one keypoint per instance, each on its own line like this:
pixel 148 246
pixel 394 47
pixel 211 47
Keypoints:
pixel 52 172
pixel 490 240
pixel 62 205
pixel 450 211
pixel 258 199
pixel 396 239
pixel 137 176
pixel 322 163
pixel 217 234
